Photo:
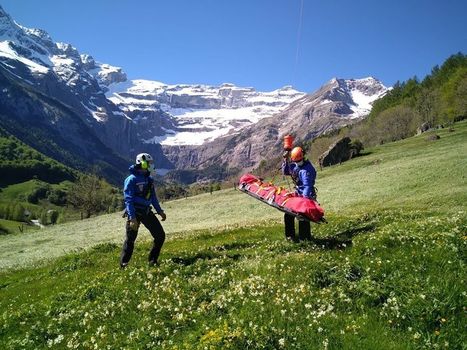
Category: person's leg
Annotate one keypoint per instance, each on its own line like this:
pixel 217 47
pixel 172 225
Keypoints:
pixel 128 245
pixel 157 231
pixel 304 230
pixel 289 225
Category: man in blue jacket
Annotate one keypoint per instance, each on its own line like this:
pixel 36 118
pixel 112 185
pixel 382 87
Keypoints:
pixel 139 195
pixel 303 175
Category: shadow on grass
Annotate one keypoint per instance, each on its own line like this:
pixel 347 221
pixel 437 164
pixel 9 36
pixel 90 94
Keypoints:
pixel 190 260
pixel 231 246
pixel 343 239
pixel 363 154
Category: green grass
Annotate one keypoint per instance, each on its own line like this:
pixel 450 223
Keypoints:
pixel 14 226
pixel 387 271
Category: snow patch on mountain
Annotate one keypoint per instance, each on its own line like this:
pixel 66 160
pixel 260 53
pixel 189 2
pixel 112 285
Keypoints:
pixel 7 50
pixel 362 103
pixel 364 92
pixel 196 127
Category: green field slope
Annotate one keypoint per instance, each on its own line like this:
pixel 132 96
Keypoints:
pixel 387 271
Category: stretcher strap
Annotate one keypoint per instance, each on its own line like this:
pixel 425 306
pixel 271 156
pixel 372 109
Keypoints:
pixel 270 194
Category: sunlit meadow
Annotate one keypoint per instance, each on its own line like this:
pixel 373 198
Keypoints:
pixel 386 272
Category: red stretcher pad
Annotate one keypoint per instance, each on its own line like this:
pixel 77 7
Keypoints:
pixel 278 197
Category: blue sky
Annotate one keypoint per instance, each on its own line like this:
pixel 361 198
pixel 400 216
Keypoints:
pixel 261 43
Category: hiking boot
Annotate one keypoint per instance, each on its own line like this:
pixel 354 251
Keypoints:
pixel 123 266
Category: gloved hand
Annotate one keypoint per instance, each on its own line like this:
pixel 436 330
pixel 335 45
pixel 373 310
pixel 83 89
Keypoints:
pixel 133 224
pixel 286 154
pixel 163 216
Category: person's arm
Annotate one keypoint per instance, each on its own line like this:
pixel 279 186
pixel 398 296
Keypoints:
pixel 308 180
pixel 286 168
pixel 129 195
pixel 155 202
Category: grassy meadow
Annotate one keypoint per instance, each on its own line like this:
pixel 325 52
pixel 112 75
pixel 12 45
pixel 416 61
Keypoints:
pixel 387 271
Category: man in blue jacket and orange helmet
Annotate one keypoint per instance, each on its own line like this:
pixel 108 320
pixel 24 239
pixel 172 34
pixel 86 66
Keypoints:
pixel 303 175
pixel 139 195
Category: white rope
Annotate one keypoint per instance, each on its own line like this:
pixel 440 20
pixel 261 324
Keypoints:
pixel 299 35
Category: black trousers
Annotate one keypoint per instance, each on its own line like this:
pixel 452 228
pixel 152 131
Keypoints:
pixel 304 229
pixel 150 221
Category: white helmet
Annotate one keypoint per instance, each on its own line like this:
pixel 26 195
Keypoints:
pixel 146 161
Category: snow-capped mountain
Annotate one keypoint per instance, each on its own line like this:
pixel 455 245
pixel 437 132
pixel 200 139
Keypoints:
pixel 356 94
pixel 338 102
pixel 195 114
pixel 41 58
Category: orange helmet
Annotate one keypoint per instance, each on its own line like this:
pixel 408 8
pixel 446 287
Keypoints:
pixel 297 154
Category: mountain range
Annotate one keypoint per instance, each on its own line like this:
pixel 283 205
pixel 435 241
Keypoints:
pixel 86 114
pixel 337 103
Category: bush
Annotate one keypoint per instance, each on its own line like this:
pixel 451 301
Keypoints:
pixel 116 203
pixel 393 124
pixel 57 197
pixel 171 191
pixel 357 147
pixel 4 211
pixel 38 193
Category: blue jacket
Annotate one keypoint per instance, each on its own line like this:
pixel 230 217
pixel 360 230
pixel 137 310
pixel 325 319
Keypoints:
pixel 304 177
pixel 139 192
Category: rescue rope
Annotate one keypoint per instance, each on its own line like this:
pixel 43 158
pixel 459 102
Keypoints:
pixel 299 35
